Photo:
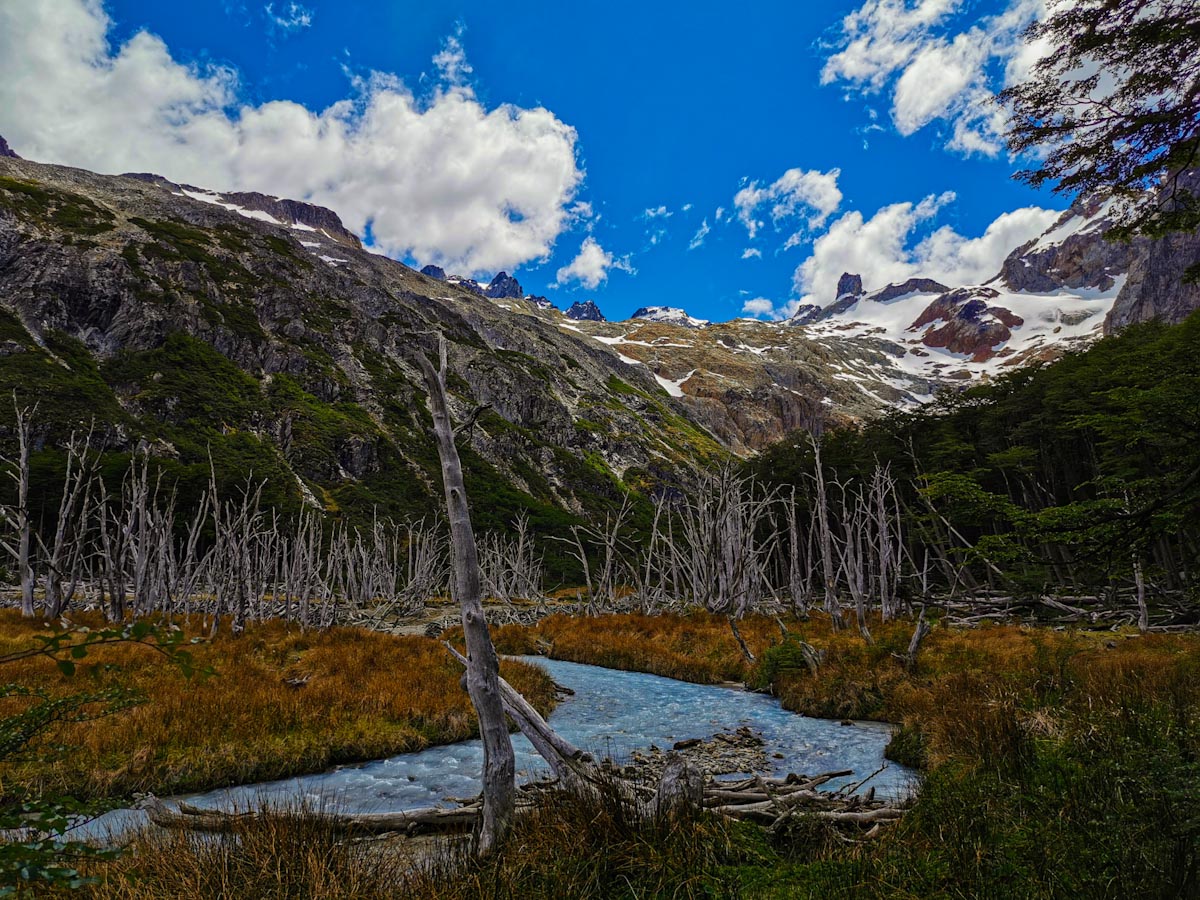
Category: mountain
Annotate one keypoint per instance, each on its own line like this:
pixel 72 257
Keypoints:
pixel 316 222
pixel 504 287
pixel 197 327
pixel 587 311
pixel 668 315
pixel 259 330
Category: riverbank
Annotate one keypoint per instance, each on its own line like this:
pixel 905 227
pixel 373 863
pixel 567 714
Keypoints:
pixel 282 702
pixel 966 682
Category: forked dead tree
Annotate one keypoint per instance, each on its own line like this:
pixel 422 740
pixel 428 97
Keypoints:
pixel 483 666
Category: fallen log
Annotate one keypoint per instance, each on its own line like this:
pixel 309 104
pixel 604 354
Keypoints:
pixel 417 821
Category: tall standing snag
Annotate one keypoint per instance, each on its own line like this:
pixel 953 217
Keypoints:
pixel 483 666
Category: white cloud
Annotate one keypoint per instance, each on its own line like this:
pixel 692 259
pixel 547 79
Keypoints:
pixel 440 178
pixel 701 233
pixel 751 253
pixel 591 265
pixel 451 61
pixel 937 68
pixel 761 307
pixel 291 17
pixel 881 249
pixel 797 195
pixel 657 212
pixel 687 207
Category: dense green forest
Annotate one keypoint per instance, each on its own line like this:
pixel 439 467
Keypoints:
pixel 1071 475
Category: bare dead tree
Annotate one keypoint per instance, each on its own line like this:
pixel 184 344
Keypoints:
pixel 825 533
pixel 483 666
pixel 853 552
pixel 63 554
pixel 723 547
pixel 17 517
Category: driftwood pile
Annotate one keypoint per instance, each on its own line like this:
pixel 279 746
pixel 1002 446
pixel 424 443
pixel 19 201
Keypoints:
pixel 1120 610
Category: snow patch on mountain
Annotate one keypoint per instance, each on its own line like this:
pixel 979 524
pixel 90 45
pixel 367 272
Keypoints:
pixel 669 315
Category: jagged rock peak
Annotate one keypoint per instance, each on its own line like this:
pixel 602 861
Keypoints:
pixel 6 150
pixel 277 210
pixel 435 272
pixel 586 311
pixel 504 287
pixel 904 288
pixel 849 284
pixel 670 315
pixel 540 302
pixel 805 313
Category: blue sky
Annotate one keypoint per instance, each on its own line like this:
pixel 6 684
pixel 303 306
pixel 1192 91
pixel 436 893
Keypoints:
pixel 661 106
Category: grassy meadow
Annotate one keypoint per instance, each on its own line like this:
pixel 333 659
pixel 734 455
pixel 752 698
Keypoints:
pixel 282 702
pixel 1056 763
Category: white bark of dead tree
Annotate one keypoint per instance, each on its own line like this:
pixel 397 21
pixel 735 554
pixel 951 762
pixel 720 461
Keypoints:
pixel 17 517
pixel 64 553
pixel 483 667
pixel 825 535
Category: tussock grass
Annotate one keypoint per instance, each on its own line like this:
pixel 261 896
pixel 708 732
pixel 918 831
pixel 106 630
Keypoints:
pixel 568 846
pixel 290 853
pixel 364 696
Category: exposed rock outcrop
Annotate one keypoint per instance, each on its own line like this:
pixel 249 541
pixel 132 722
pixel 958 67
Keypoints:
pixel 5 150
pixel 1073 254
pixel 849 284
pixel 587 311
pixel 671 315
pixel 1159 286
pixel 300 216
pixel 504 287
pixel 969 325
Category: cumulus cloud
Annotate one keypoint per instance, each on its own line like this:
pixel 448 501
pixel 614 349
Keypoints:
pixel 751 253
pixel 797 196
pixel 701 233
pixel 591 265
pixel 881 248
pixel 657 212
pixel 292 17
pixel 936 67
pixel 440 178
pixel 762 308
pixel 759 306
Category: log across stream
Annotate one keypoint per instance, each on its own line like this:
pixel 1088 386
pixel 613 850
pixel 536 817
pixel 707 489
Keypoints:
pixel 611 714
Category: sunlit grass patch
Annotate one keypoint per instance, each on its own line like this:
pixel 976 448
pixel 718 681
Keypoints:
pixel 283 702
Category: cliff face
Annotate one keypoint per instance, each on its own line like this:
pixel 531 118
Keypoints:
pixel 1158 286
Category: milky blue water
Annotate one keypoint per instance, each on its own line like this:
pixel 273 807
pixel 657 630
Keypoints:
pixel 611 714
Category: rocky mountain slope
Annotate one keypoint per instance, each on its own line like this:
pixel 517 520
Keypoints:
pixel 257 331
pixel 260 330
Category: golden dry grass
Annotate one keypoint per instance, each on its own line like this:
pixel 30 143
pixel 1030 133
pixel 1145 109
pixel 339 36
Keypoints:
pixel 697 647
pixel 969 686
pixel 367 696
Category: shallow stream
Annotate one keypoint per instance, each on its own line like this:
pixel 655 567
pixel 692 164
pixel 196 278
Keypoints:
pixel 611 714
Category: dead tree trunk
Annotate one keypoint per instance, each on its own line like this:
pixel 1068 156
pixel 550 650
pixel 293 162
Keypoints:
pixel 18 516
pixel 483 666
